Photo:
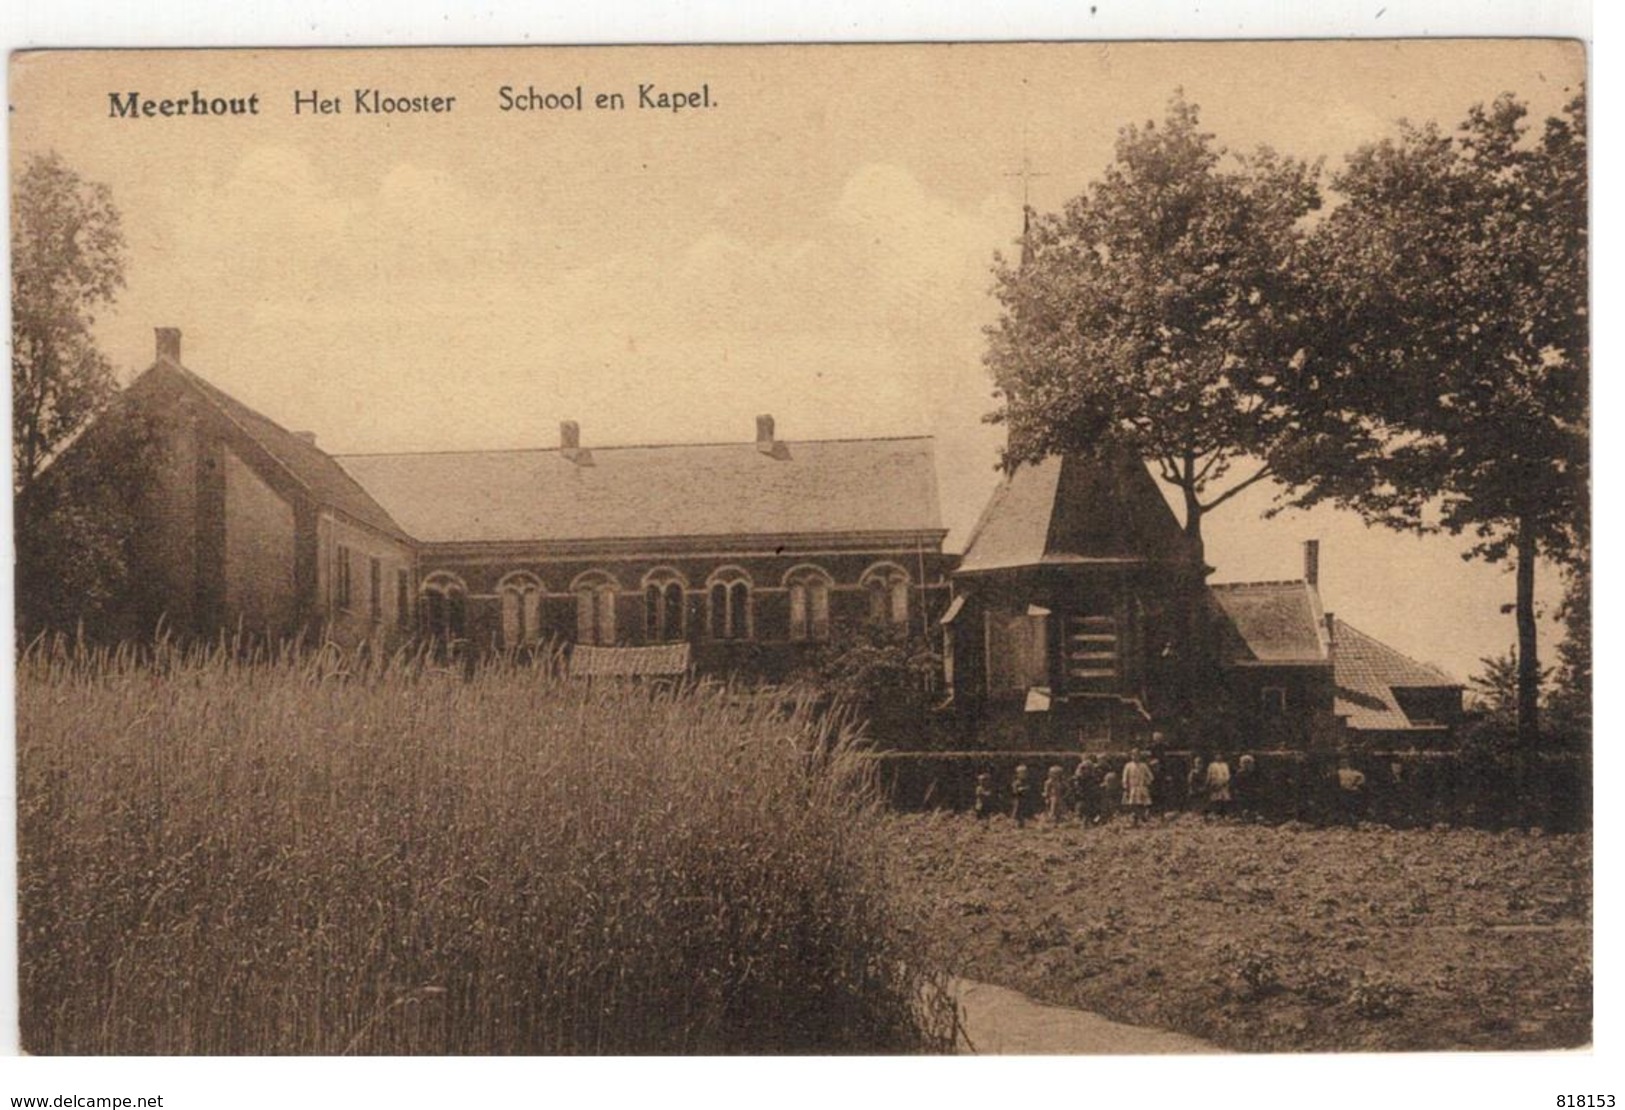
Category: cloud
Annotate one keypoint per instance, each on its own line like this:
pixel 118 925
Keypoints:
pixel 273 213
pixel 917 244
pixel 402 311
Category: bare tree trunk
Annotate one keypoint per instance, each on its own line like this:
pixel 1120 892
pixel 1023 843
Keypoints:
pixel 1193 663
pixel 1193 525
pixel 1528 653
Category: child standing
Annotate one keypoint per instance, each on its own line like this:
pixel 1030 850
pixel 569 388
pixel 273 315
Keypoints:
pixel 1218 786
pixel 1109 788
pixel 1084 785
pixel 984 796
pixel 1245 785
pixel 1054 794
pixel 1196 784
pixel 1137 780
pixel 1018 796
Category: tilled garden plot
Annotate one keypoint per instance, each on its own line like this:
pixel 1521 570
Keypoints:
pixel 1270 938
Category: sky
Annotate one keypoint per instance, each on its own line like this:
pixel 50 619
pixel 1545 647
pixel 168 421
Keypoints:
pixel 815 244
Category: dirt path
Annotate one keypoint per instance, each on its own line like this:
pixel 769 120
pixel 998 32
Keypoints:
pixel 1005 1022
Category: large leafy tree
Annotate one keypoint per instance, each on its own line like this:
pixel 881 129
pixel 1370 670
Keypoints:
pixel 1147 315
pixel 67 263
pixel 73 490
pixel 1452 338
pixel 76 558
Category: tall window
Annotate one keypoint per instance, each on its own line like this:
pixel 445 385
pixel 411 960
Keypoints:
pixel 375 589
pixel 809 603
pixel 1272 701
pixel 885 585
pixel 521 609
pixel 403 600
pixel 664 607
pixel 595 608
pixel 444 607
pixel 730 604
pixel 342 572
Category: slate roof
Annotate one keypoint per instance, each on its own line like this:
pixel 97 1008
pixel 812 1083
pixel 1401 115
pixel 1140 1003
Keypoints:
pixel 1367 671
pixel 310 466
pixel 1270 622
pixel 1073 510
pixel 698 490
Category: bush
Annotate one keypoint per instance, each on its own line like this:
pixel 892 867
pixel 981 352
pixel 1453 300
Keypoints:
pixel 289 856
pixel 887 676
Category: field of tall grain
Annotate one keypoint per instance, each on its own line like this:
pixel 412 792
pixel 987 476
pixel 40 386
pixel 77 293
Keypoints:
pixel 313 854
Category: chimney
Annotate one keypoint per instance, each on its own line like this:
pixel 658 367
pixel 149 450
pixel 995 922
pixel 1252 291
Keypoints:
pixel 1311 562
pixel 169 344
pixel 308 437
pixel 764 434
pixel 570 443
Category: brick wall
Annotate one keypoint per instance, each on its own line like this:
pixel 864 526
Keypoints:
pixel 165 551
pixel 260 590
pixel 768 651
pixel 358 620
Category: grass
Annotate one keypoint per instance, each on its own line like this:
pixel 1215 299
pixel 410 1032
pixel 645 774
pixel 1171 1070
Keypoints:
pixel 1270 938
pixel 311 853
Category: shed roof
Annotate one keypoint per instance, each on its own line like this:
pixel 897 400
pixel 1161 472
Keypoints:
pixel 1270 622
pixel 858 486
pixel 1367 672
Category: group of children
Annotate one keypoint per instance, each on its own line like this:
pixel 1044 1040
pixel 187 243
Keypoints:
pixel 1211 787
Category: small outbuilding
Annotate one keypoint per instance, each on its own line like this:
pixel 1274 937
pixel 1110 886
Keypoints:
pixel 1081 617
pixel 1073 606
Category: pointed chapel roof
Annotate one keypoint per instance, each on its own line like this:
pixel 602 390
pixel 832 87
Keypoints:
pixel 1074 510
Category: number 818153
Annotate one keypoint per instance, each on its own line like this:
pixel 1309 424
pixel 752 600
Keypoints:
pixel 1585 1102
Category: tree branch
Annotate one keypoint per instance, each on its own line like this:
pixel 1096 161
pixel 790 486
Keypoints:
pixel 1259 475
pixel 1207 467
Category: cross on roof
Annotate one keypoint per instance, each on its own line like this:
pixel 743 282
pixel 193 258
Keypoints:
pixel 1026 173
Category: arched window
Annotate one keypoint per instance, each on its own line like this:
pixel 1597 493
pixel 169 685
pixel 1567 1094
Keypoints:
pixel 730 604
pixel 595 607
pixel 521 609
pixel 885 585
pixel 665 606
pixel 809 588
pixel 444 607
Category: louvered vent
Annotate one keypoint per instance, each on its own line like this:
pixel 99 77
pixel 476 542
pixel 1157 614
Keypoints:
pixel 1092 654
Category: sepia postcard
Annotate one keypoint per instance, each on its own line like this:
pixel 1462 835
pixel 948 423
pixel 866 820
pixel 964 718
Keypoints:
pixel 1003 548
